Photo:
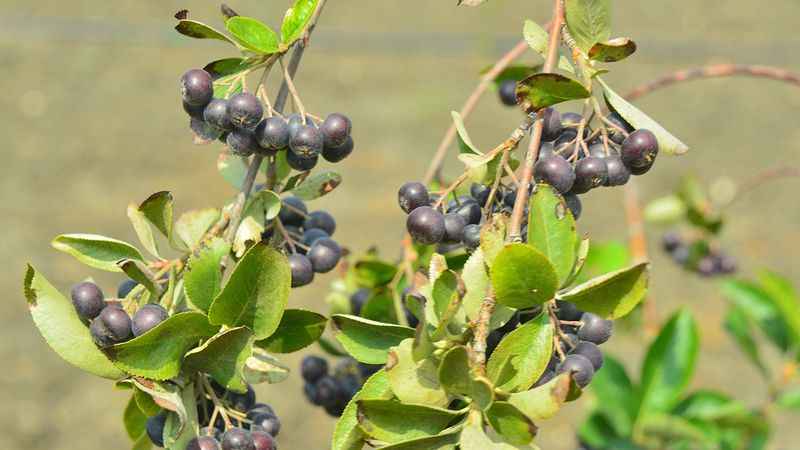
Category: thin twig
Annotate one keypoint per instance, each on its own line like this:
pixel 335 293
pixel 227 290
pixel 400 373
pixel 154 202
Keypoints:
pixel 298 103
pixel 536 138
pixel 481 332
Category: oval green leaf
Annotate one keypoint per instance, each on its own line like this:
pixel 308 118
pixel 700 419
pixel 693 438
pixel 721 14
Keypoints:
pixel 547 89
pixel 588 21
pixel 317 185
pixel 298 329
pixel 347 435
pixel 613 50
pixel 256 292
pixel 96 251
pixel 203 278
pixel 253 35
pixel 223 356
pixel 510 423
pixel 366 340
pixel 523 277
pixel 522 356
pixel 62 329
pixel 393 422
pixel 297 19
pixel 612 295
pixel 199 30
pixel 551 230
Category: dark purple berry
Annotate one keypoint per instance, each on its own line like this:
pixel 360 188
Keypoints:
pixel 194 111
pixel 111 326
pixel 671 240
pixel 591 351
pixel 707 266
pixel 260 408
pixel 241 142
pixel 245 110
pixel 336 154
pixel 412 195
pixel 335 129
pixel 571 119
pixel 639 151
pixel 125 288
pixel 681 254
pixel 88 300
pixel 155 428
pixel 426 225
pixel 216 114
pixel 358 300
pixel 324 255
pixel 311 235
pixel 508 92
pixel 614 133
pixel 472 236
pixel 556 172
pixel 237 439
pixel 618 173
pixel 595 329
pixel 470 212
pixel 213 432
pixel 545 378
pixel 599 151
pixel 295 122
pixel 580 367
pixel 590 172
pixel 242 401
pixel 313 368
pixel 293 212
pixel 306 142
pixel 147 317
pixel 546 150
pixel 203 443
pixel 727 264
pixel 301 163
pixel 574 204
pixel 552 125
pixel 272 133
pixel 263 440
pixel 453 227
pixel 268 423
pixel 568 311
pixel 302 271
pixel 312 393
pixel 203 130
pixel 510 198
pixel 328 391
pixel 480 193
pixel 197 87
pixel 322 220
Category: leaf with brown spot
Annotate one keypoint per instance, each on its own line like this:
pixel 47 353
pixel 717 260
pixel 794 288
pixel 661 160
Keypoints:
pixel 614 50
pixel 317 185
pixel 547 89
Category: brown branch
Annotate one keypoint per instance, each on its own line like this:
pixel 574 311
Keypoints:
pixel 481 332
pixel 533 148
pixel 435 167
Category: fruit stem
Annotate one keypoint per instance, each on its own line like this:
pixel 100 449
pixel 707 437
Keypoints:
pixel 536 137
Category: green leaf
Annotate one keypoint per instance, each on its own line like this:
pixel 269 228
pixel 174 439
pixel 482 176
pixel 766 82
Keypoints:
pixel 253 34
pixel 138 272
pixel 760 307
pixel 414 381
pixel 380 307
pixel 446 288
pixel 612 50
pixel 445 441
pixel 134 419
pixel 785 299
pixel 668 428
pixel 790 399
pixel 199 30
pixel 493 238
pixel 711 406
pixel 523 277
pixel 374 273
pixel 261 367
pixel 737 324
pixel 669 364
pixel 465 144
pixel 547 89
pixel 456 377
pixel 664 210
pixel 598 433
pixel 223 356
pixel 298 329
pixel 180 426
pixel 96 251
pixel 203 279
pixel 366 340
pixel 612 295
pixel 551 230
pixel 297 19
pixel 256 292
pixel 158 353
pixel 473 437
pixel 543 402
pixel 512 72
pixel 476 280
pixel 588 21
pixel 510 423
pixel 158 210
pixel 143 229
pixel 604 257
pixel 666 142
pixel 142 443
pixel 317 185
pixel 347 435
pixel 522 356
pixel 65 333
pixel 616 396
pixel 192 226
pixel 145 402
pixel 392 422
pixel 227 66
pixel 581 256
pixel 231 168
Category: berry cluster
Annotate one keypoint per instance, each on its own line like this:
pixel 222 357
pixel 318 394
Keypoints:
pixel 579 335
pixel 228 420
pixel 109 323
pixel 333 391
pixel 698 256
pixel 308 240
pixel 238 121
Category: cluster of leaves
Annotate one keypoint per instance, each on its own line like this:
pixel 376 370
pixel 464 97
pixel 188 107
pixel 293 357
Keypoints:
pixel 658 412
pixel 433 391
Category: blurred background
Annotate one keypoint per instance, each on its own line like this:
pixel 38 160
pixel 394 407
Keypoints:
pixel 91 120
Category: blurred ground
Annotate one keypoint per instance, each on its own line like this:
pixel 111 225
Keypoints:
pixel 91 121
